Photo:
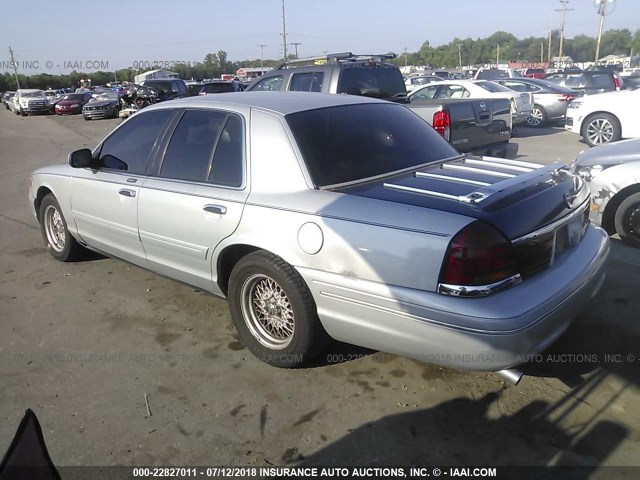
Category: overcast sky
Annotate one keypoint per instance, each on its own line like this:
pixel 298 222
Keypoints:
pixel 123 32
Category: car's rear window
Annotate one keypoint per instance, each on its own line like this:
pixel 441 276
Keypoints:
pixel 492 87
pixel 596 80
pixel 492 74
pixel 217 88
pixel 535 70
pixel 354 142
pixel 372 80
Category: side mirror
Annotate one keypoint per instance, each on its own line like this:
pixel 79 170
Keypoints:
pixel 81 158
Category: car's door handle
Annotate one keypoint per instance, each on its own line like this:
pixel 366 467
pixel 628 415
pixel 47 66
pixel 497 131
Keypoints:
pixel 127 193
pixel 219 209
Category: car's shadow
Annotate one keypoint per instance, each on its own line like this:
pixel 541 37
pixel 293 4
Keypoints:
pixel 523 131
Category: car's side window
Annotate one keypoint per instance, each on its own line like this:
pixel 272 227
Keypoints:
pixel 130 146
pixel 426 93
pixel 226 167
pixel 517 86
pixel 301 82
pixel 271 84
pixel 206 146
pixel 316 83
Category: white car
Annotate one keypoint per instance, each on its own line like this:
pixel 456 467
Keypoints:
pixel 605 117
pixel 413 83
pixel 521 102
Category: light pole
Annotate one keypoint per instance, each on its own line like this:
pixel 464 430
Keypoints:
pixel 262 58
pixel 602 11
pixel 460 55
pixel 284 33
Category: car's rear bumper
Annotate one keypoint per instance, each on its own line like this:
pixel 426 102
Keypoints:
pixel 490 333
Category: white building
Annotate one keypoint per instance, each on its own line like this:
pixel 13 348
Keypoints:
pixel 154 74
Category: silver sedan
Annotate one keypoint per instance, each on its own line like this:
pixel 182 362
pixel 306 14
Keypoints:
pixel 337 216
pixel 550 100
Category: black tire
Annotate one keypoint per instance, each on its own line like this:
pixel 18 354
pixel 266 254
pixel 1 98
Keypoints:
pixel 627 220
pixel 17 112
pixel 86 118
pixel 23 113
pixel 600 129
pixel 300 337
pixel 60 243
pixel 116 112
pixel 538 117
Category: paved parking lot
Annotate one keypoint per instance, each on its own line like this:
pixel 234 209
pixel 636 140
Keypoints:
pixel 82 344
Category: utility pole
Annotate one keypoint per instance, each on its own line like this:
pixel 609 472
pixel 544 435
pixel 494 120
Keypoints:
pixel 564 11
pixel 262 58
pixel 405 56
pixel 550 32
pixel 602 11
pixel 541 52
pixel 15 69
pixel 295 44
pixel 498 56
pixel 460 55
pixel 284 33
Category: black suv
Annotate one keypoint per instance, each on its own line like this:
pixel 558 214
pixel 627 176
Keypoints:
pixel 366 75
pixel 169 88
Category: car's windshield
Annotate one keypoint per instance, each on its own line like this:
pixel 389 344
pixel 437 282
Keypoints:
pixel 354 142
pixel 76 97
pixel 39 93
pixel 376 80
pixel 493 74
pixel 492 87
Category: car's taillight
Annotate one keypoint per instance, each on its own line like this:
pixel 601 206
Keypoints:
pixel 442 123
pixel 478 255
pixel 616 82
pixel 565 98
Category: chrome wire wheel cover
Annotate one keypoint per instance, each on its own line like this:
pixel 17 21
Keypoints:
pixel 267 311
pixel 535 118
pixel 599 131
pixel 54 228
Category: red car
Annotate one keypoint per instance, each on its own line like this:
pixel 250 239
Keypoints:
pixel 534 73
pixel 72 103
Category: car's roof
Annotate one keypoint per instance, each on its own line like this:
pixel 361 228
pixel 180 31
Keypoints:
pixel 29 90
pixel 283 103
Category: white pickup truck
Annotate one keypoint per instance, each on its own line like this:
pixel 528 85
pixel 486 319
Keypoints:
pixel 28 101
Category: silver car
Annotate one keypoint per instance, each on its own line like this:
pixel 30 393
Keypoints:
pixel 612 172
pixel 337 216
pixel 550 100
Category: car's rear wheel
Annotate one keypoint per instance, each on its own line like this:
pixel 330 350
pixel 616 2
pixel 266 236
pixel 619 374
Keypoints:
pixel 601 128
pixel 274 312
pixel 116 112
pixel 627 220
pixel 538 117
pixel 60 243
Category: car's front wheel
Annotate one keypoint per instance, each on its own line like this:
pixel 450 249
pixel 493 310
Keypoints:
pixel 60 243
pixel 627 220
pixel 538 117
pixel 601 128
pixel 274 311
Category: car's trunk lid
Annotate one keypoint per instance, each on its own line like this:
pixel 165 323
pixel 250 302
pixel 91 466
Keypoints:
pixel 516 197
